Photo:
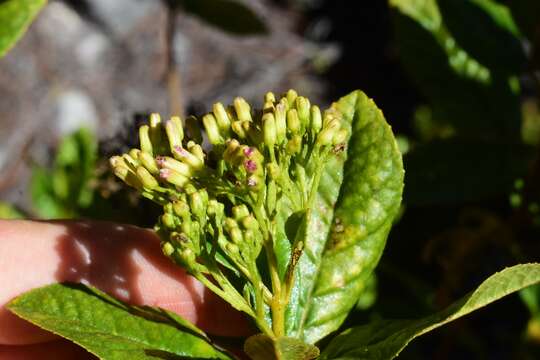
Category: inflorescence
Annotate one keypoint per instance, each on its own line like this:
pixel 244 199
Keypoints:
pixel 224 202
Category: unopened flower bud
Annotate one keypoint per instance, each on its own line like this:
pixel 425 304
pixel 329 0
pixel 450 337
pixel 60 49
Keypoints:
pixel 326 136
pixel 270 97
pixel 240 212
pixel 168 221
pixel 146 178
pixel 188 257
pixel 223 121
pixel 130 161
pixel 230 151
pixel 316 119
pixel 291 96
pixel 187 157
pixel 269 129
pixel 190 189
pixel 181 209
pixel 280 115
pixel 135 154
pixel 198 203
pixel 215 208
pixel 155 120
pixel 230 224
pixel 175 131
pixel 166 162
pixel 167 248
pixel 293 122
pixel 303 109
pixel 239 129
pixel 144 139
pixel 232 249
pixel 149 163
pixel 196 150
pixel 173 177
pixel 212 130
pixel 242 108
pixel 236 235
pixel 249 222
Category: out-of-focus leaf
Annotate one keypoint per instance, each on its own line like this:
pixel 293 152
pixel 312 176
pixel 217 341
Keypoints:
pixel 65 189
pixel 477 101
pixel 385 339
pixel 108 328
pixel 15 17
pixel 348 224
pixel 8 211
pixel 456 171
pixel 487 32
pixel 228 15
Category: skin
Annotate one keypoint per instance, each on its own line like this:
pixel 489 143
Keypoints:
pixel 124 261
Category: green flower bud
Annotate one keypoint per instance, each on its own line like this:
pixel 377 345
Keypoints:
pixel 230 224
pixel 135 154
pixel 146 178
pixel 232 249
pixel 149 163
pixel 291 96
pixel 198 201
pixel 249 222
pixel 212 130
pixel 231 150
pixel 144 139
pixel 269 129
pixel 188 158
pixel 215 208
pixel 223 120
pixel 326 136
pixel 175 131
pixel 239 129
pixel 293 122
pixel 240 211
pixel 187 227
pixel 316 120
pixel 303 109
pixel 181 209
pixel 236 235
pixel 130 162
pixel 294 145
pixel 190 189
pixel 196 150
pixel 173 177
pixel 270 97
pixel 280 115
pixel 188 257
pixel 155 120
pixel 167 248
pixel 168 221
pixel 166 162
pixel 242 108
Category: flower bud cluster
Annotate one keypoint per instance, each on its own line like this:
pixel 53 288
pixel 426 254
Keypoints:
pixel 220 203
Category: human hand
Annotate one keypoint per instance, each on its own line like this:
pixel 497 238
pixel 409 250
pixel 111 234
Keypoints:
pixel 122 260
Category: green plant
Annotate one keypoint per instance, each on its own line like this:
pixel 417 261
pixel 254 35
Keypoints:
pixel 285 216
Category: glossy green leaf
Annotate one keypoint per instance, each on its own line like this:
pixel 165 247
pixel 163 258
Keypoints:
pixel 467 86
pixel 451 171
pixel 109 328
pixel 349 223
pixel 385 339
pixel 15 17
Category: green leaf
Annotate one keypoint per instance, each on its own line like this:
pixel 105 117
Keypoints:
pixel 479 98
pixel 15 17
pixel 227 15
pixel 8 211
pixel 454 171
pixel 385 339
pixel 262 347
pixel 348 224
pixel 109 328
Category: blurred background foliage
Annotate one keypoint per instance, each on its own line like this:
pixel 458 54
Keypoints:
pixel 458 80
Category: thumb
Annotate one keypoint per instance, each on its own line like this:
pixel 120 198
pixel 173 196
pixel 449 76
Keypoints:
pixel 124 261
